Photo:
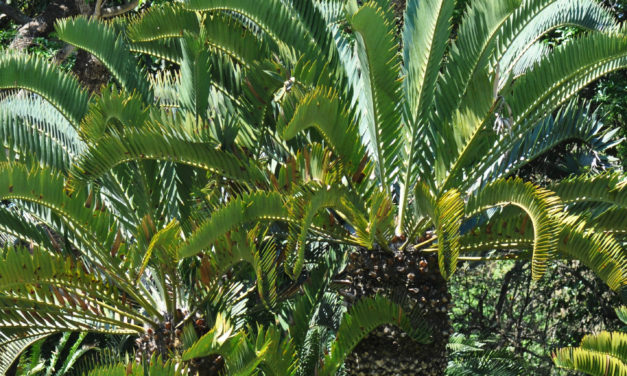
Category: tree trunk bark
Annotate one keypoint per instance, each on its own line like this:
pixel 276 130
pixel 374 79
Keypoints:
pixel 412 279
pixel 41 25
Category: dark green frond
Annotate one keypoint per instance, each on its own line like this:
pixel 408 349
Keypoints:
pixel 363 317
pixel 255 207
pixel 195 81
pixel 271 16
pixel 169 20
pixel 101 40
pixel 610 188
pixel 564 72
pixel 38 132
pixel 111 151
pixel 34 74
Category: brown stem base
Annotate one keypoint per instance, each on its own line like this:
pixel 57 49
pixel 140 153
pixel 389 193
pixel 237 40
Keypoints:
pixel 413 280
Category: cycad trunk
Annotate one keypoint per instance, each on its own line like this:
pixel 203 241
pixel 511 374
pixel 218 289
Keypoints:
pixel 411 278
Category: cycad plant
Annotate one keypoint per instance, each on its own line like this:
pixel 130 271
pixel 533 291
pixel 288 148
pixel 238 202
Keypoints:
pixel 409 149
pixel 315 117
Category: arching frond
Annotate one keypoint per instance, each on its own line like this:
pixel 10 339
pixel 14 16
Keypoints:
pixel 272 16
pixel 34 74
pixel 53 294
pixel 225 36
pixel 169 20
pixel 254 207
pixel 90 229
pixel 136 145
pixel 323 110
pixel 609 188
pixel 598 251
pixel 34 129
pixel 14 342
pixel 535 18
pixel 112 112
pixel 601 354
pixel 560 75
pixel 578 239
pixel 510 152
pixel 541 205
pixel 363 317
pixel 101 40
pixel 14 223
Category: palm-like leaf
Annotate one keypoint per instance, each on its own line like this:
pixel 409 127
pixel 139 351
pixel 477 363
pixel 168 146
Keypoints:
pixel 380 66
pixel 601 354
pixel 59 88
pixel 104 42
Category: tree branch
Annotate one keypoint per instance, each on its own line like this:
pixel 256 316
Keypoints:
pixel 13 13
pixel 117 10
